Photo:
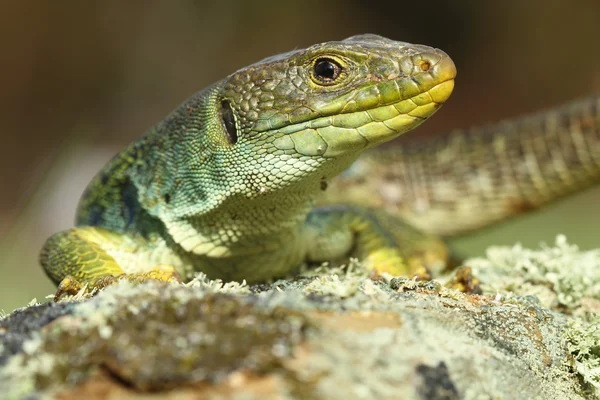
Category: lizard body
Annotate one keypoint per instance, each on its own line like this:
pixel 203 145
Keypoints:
pixel 226 183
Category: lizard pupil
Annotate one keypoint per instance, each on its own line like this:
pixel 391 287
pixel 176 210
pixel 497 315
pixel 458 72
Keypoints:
pixel 326 70
pixel 229 121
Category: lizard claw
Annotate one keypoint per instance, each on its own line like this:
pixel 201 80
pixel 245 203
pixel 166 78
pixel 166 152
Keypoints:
pixel 68 285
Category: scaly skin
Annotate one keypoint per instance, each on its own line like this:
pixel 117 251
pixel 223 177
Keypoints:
pixel 226 184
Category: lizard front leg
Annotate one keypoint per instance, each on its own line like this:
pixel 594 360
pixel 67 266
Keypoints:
pixel 88 256
pixel 384 243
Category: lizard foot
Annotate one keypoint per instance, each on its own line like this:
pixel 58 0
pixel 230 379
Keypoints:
pixel 389 261
pixel 386 261
pixel 161 273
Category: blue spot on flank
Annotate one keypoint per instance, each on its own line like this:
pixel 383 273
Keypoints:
pixel 130 204
pixel 95 216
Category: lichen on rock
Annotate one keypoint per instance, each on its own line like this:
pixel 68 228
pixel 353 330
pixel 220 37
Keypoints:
pixel 532 332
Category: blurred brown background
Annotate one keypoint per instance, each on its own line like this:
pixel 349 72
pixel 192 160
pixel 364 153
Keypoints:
pixel 79 80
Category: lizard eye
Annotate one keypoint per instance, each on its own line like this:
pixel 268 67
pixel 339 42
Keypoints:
pixel 229 121
pixel 325 71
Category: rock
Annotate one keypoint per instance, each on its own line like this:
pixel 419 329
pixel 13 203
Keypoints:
pixel 533 332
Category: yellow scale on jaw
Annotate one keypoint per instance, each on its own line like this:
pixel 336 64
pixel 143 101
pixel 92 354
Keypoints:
pixel 337 134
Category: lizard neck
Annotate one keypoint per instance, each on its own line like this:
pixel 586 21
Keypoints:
pixel 243 225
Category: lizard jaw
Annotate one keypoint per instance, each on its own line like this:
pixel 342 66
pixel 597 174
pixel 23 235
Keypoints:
pixel 336 135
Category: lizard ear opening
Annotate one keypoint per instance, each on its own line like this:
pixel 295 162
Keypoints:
pixel 229 121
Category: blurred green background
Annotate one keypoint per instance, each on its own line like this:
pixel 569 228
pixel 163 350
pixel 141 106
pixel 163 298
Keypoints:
pixel 82 79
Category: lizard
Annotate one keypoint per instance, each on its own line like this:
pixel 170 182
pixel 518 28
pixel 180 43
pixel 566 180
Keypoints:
pixel 228 184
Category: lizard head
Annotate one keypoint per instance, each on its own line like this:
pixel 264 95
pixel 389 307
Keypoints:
pixel 294 120
pixel 336 98
pixel 305 109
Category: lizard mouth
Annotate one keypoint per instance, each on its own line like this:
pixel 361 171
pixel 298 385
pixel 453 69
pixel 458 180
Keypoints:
pixel 343 133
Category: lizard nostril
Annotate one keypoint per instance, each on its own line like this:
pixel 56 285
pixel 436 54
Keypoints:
pixel 425 66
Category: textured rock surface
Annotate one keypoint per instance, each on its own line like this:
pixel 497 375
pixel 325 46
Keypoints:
pixel 333 334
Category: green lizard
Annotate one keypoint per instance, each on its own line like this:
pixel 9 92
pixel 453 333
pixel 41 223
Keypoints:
pixel 227 184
